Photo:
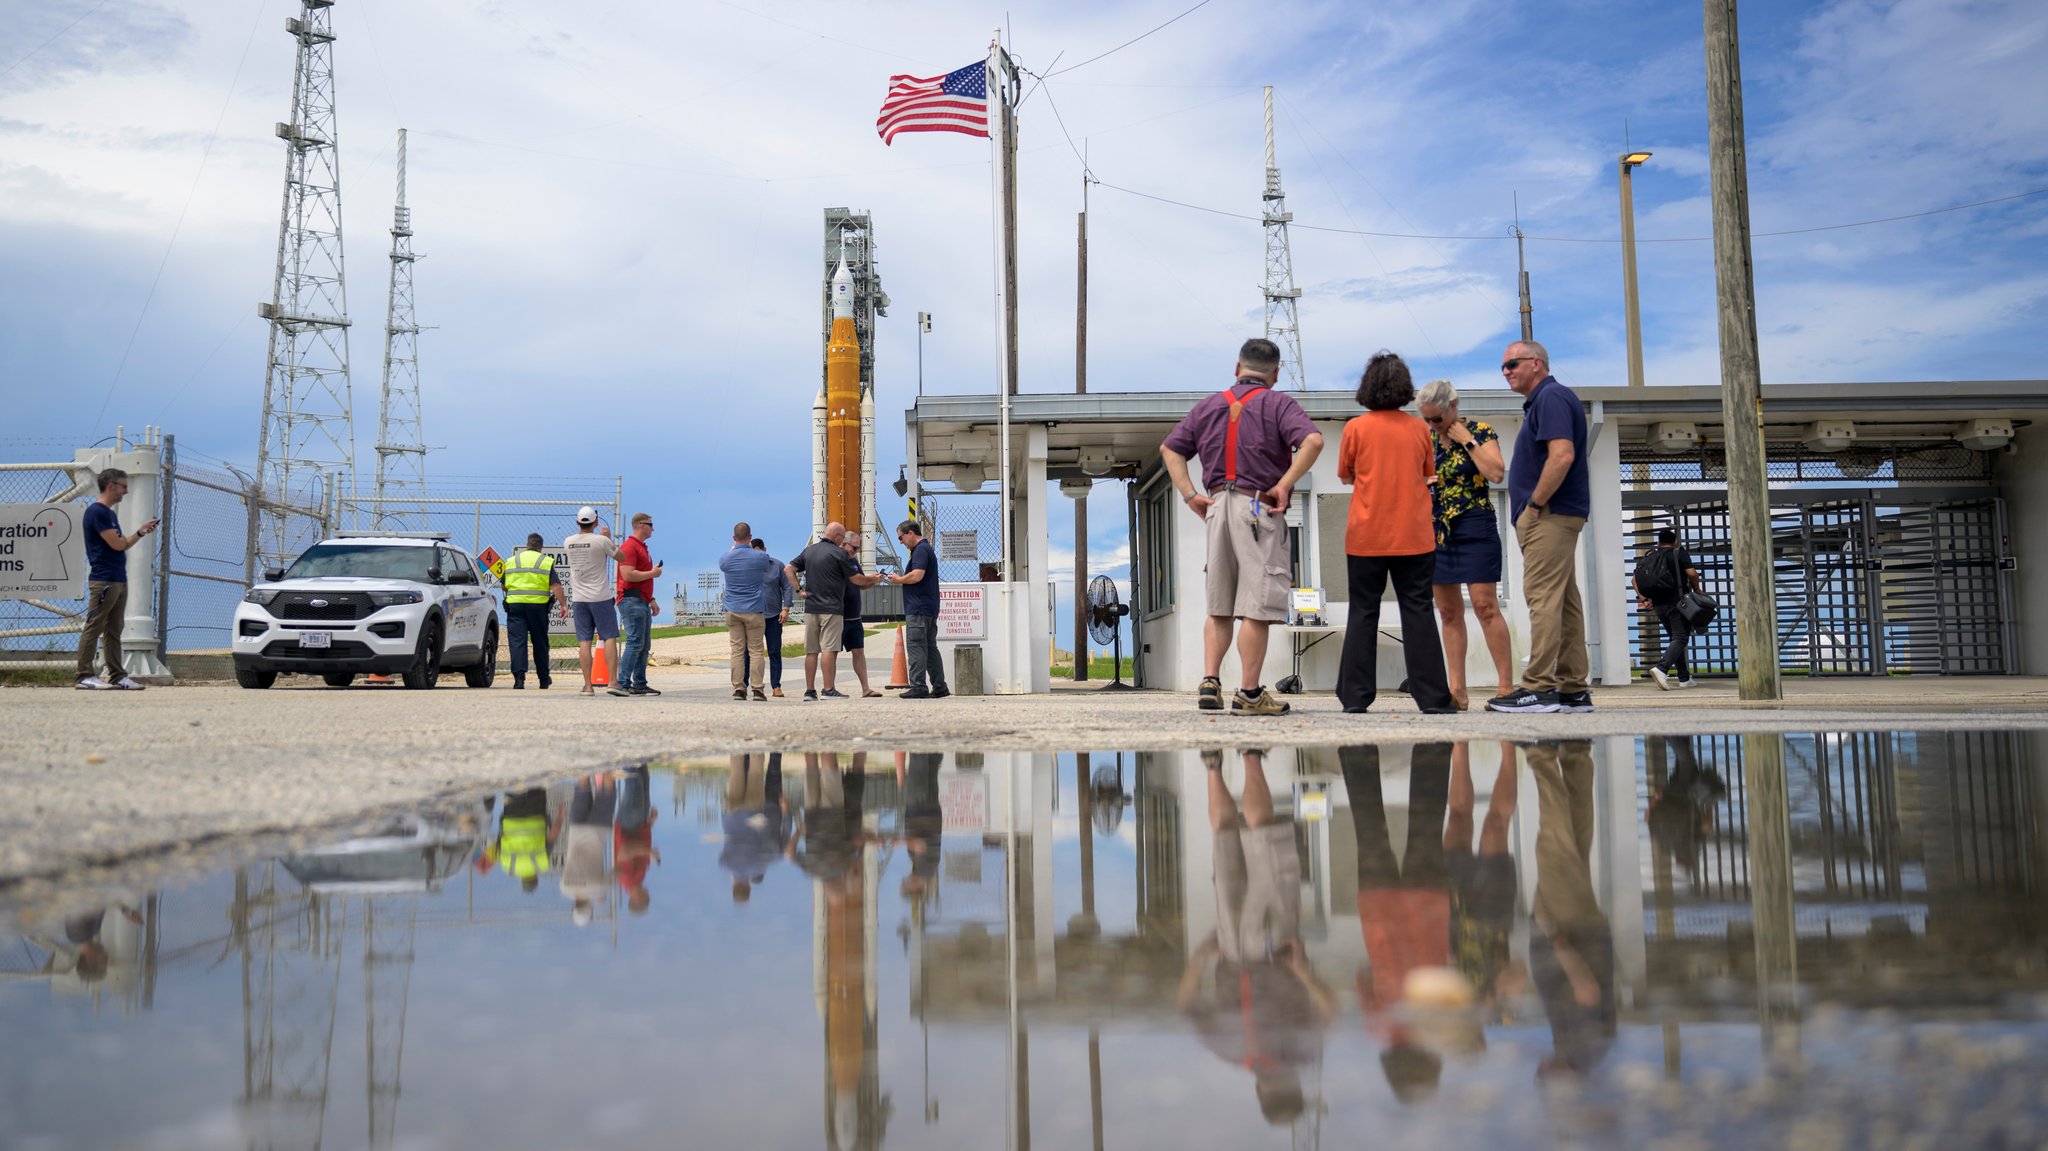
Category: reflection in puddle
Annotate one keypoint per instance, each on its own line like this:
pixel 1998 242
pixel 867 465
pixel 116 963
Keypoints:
pixel 1731 940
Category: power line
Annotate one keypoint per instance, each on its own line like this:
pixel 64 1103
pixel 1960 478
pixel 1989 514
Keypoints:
pixel 53 39
pixel 1581 239
pixel 1129 42
pixel 179 227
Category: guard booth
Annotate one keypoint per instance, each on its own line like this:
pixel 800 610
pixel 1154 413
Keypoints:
pixel 1901 515
pixel 1892 524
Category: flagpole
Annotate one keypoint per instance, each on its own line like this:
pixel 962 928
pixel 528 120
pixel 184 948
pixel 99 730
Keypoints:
pixel 999 81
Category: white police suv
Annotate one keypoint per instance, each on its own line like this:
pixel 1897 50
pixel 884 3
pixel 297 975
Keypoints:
pixel 386 605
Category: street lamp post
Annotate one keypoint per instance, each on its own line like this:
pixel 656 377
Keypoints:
pixel 924 324
pixel 1632 311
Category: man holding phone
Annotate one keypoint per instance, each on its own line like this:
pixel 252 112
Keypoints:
pixel 590 553
pixel 107 585
pixel 637 573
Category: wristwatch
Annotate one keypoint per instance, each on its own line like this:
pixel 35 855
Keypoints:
pixel 1540 508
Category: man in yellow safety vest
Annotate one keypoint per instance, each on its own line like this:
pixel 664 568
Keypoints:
pixel 530 582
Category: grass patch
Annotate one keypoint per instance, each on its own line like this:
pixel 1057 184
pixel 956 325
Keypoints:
pixel 1098 668
pixel 35 677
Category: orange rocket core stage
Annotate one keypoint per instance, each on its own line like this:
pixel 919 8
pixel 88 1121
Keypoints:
pixel 842 425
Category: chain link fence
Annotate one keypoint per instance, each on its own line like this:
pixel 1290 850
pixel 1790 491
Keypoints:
pixel 212 515
pixel 42 628
pixel 495 512
pixel 966 530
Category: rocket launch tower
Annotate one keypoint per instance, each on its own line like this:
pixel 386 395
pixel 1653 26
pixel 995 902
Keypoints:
pixel 843 414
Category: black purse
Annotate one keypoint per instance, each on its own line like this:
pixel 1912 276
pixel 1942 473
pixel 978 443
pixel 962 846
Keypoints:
pixel 1697 608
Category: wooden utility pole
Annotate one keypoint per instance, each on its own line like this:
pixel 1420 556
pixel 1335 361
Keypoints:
pixel 1081 387
pixel 1749 507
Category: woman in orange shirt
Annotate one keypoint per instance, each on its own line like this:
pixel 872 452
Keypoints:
pixel 1388 459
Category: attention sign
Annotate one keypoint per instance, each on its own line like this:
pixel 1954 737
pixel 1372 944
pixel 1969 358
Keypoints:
pixel 963 611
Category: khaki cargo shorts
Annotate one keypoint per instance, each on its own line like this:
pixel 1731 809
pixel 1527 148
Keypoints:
pixel 1245 578
pixel 824 632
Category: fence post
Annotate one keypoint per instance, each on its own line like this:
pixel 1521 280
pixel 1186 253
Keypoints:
pixel 166 500
pixel 252 498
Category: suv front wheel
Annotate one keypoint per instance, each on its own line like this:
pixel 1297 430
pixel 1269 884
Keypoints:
pixel 425 668
pixel 484 671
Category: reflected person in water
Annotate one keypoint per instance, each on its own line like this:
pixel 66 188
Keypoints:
pixel 1265 1010
pixel 586 873
pixel 923 824
pixel 1571 948
pixel 633 849
pixel 1483 883
pixel 526 838
pixel 1681 810
pixel 1404 904
pixel 756 821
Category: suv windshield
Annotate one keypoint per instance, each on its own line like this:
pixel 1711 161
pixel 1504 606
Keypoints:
pixel 371 561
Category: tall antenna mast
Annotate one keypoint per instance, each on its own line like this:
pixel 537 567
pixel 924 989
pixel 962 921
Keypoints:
pixel 401 444
pixel 1283 326
pixel 308 431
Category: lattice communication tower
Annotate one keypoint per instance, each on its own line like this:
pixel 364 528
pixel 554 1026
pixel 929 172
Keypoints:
pixel 401 448
pixel 1283 325
pixel 306 454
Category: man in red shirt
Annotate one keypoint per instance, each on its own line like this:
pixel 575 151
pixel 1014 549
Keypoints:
pixel 637 573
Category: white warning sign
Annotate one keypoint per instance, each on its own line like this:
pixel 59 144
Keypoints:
pixel 42 553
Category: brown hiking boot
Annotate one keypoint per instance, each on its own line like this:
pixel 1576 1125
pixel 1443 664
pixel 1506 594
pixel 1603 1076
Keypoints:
pixel 1258 701
pixel 1209 696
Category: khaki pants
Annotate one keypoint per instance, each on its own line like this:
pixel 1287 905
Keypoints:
pixel 106 606
pixel 1564 834
pixel 1550 585
pixel 748 633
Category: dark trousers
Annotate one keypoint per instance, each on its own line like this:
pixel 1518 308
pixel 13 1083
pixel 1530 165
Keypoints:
pixel 1680 634
pixel 771 627
pixel 1421 863
pixel 528 623
pixel 1358 667
pixel 921 652
pixel 105 615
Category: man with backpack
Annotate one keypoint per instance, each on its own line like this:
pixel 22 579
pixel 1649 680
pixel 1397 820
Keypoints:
pixel 1661 577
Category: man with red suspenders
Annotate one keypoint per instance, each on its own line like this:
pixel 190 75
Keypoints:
pixel 1255 444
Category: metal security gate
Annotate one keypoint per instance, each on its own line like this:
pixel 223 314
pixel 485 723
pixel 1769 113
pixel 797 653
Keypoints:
pixel 1868 582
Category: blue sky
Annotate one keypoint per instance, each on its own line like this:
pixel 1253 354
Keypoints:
pixel 620 209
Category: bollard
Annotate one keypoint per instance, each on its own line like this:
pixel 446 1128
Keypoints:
pixel 967 669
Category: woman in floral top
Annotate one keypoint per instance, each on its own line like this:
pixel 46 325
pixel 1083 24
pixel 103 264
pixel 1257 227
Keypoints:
pixel 1467 537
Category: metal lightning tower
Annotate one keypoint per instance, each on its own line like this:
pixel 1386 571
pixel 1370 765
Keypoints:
pixel 308 433
pixel 401 448
pixel 1283 326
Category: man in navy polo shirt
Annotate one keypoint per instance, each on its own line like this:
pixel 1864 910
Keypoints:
pixel 107 584
pixel 1549 496
pixel 920 583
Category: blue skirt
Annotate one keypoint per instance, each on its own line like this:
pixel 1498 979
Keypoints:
pixel 1470 552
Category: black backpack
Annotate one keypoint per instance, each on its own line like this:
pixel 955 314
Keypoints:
pixel 1657 574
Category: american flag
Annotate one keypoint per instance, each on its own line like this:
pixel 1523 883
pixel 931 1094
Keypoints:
pixel 954 102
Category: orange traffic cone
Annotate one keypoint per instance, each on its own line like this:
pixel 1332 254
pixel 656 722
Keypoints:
pixel 899 666
pixel 600 672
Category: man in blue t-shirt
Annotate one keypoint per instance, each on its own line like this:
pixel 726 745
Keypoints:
pixel 106 585
pixel 1549 497
pixel 746 569
pixel 920 583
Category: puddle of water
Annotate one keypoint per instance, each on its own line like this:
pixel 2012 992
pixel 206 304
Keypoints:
pixel 1612 943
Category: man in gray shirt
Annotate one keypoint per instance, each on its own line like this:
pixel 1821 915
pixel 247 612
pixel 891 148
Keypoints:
pixel 827 571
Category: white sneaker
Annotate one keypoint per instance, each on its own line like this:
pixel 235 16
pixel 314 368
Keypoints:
pixel 1663 679
pixel 93 683
pixel 127 683
pixel 1688 683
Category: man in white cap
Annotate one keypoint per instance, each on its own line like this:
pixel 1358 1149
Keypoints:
pixel 590 592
